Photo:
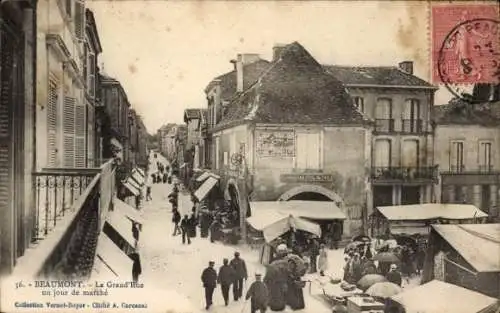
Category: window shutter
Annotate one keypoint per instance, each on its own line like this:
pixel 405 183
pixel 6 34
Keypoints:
pixel 91 136
pixel 79 19
pixel 301 151
pixel 52 115
pixel 69 131
pixel 80 122
pixel 313 146
pixel 91 75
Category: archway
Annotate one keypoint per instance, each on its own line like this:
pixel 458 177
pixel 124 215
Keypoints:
pixel 311 192
pixel 232 194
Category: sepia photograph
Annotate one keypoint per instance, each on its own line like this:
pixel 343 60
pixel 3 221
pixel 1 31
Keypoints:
pixel 225 156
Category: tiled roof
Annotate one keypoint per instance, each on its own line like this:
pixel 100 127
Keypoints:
pixel 251 73
pixel 375 75
pixel 295 89
pixel 459 112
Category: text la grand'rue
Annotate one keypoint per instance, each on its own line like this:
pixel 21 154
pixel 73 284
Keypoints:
pixel 58 284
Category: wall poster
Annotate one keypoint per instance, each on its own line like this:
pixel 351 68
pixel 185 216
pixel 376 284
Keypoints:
pixel 276 143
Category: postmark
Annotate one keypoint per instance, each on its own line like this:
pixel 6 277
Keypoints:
pixel 465 47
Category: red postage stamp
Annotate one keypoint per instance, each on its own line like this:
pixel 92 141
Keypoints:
pixel 465 46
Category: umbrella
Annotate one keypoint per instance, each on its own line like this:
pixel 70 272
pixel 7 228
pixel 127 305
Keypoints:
pixel 369 280
pixel 386 257
pixel 362 238
pixel 383 290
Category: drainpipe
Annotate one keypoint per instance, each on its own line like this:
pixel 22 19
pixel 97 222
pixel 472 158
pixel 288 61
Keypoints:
pixel 34 104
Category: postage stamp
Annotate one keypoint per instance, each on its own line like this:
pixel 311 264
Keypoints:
pixel 465 44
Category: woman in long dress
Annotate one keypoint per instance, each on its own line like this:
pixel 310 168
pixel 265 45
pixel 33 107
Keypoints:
pixel 322 260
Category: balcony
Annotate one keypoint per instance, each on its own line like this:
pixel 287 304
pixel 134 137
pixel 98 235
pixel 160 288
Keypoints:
pixel 480 169
pixel 413 126
pixel 402 173
pixel 384 125
pixel 71 205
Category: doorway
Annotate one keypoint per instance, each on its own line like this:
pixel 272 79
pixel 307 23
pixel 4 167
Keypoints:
pixel 310 196
pixel 382 196
pixel 410 195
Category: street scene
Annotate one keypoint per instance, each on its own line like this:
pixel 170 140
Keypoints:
pixel 222 156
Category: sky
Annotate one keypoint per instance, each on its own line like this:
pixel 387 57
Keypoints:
pixel 166 52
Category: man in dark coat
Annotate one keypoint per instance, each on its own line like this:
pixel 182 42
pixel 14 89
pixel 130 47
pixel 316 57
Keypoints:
pixel 214 230
pixel 225 279
pixel 394 276
pixel 136 266
pixel 193 222
pixel 185 229
pixel 258 295
pixel 314 255
pixel 176 219
pixel 209 280
pixel 240 269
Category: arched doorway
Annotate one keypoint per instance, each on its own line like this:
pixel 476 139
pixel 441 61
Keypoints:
pixel 233 196
pixel 310 196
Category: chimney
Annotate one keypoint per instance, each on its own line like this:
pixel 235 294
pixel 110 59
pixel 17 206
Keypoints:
pixel 277 49
pixel 241 60
pixel 406 66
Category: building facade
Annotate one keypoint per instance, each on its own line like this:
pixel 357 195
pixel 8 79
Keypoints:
pixel 294 135
pixel 195 120
pixel 402 147
pixel 17 138
pixel 90 71
pixel 467 146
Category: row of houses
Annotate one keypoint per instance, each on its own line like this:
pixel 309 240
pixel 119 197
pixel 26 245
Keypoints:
pixel 66 128
pixel 360 136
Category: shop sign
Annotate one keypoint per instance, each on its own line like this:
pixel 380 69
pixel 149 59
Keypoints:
pixel 306 178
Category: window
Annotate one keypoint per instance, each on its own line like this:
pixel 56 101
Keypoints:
pixel 91 74
pixel 52 116
pixel 308 147
pixel 69 107
pixel 79 19
pixel 359 103
pixel 216 152
pixel 410 153
pixel 80 130
pixel 485 156
pixel 383 116
pixel 383 153
pixel 457 156
pixel 412 121
pixel 68 7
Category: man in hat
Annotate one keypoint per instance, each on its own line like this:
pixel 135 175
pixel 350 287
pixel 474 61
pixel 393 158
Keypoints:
pixel 209 280
pixel 258 295
pixel 240 269
pixel 394 276
pixel 225 279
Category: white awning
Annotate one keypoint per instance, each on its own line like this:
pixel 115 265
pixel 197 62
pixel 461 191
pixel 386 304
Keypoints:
pixel 129 211
pixel 134 190
pixel 430 211
pixel 205 188
pixel 122 225
pixel 274 224
pixel 206 175
pixel 317 210
pixel 111 258
pixel 442 297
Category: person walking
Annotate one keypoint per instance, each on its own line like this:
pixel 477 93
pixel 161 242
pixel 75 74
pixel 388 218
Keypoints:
pixel 314 255
pixel 176 219
pixel 258 295
pixel 185 230
pixel 136 266
pixel 225 279
pixel 322 260
pixel 148 190
pixel 209 280
pixel 240 269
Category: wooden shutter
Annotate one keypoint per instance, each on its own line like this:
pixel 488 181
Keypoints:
pixel 313 151
pixel 52 115
pixel 69 131
pixel 301 153
pixel 91 136
pixel 91 75
pixel 79 19
pixel 80 121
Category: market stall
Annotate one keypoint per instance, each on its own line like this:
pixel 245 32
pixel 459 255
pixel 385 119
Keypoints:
pixel 414 219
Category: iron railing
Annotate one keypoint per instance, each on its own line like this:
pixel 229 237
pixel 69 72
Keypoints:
pixel 486 168
pixel 55 192
pixel 413 126
pixel 384 125
pixel 403 173
pixel 73 211
pixel 457 168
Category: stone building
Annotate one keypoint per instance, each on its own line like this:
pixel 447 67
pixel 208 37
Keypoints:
pixel 402 147
pixel 467 144
pixel 195 120
pixel 292 134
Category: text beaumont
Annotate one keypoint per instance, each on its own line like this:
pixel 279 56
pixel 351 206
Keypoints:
pixel 59 284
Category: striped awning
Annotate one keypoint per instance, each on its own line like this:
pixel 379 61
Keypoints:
pixel 133 189
pixel 128 211
pixel 123 226
pixel 138 177
pixel 111 260
pixel 205 188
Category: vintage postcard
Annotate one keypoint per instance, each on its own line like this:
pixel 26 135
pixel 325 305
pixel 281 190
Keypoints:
pixel 249 156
